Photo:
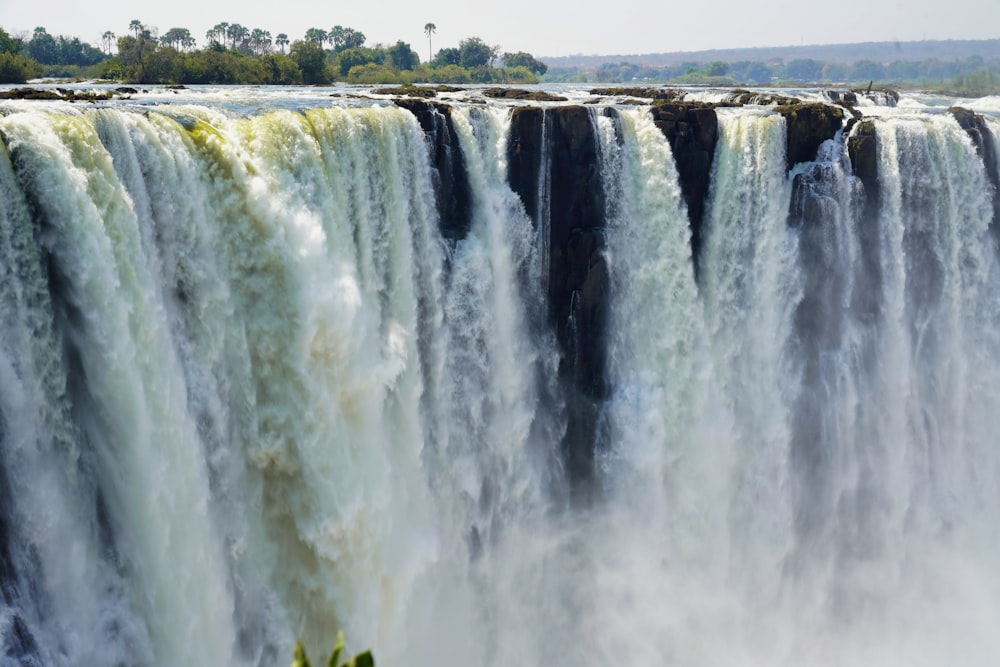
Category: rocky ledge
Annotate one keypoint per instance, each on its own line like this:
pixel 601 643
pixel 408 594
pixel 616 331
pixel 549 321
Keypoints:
pixel 578 278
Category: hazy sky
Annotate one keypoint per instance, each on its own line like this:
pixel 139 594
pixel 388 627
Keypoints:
pixel 546 28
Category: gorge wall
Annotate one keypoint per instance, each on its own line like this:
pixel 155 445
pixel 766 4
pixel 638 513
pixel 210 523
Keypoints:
pixel 554 167
pixel 492 383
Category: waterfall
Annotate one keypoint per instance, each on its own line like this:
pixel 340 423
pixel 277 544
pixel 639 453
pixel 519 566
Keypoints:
pixel 264 376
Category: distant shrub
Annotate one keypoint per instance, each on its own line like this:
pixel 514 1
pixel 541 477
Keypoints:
pixel 16 68
pixel 520 75
pixel 450 74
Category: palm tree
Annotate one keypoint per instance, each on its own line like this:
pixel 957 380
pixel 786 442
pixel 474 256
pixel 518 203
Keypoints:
pixel 317 35
pixel 282 41
pixel 136 26
pixel 237 34
pixel 429 29
pixel 260 41
pixel 218 33
pixel 108 38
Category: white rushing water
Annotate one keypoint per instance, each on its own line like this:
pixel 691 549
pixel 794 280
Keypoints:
pixel 249 394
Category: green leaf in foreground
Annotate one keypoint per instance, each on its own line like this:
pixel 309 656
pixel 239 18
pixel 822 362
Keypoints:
pixel 363 659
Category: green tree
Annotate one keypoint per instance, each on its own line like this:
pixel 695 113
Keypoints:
pixel 282 70
pixel 42 47
pixel 450 74
pixel 474 52
pixel 176 37
pixel 107 40
pixel 835 72
pixel 903 70
pixel 758 73
pixel 136 26
pixel 8 44
pixel 133 54
pixel 16 68
pixel 217 35
pixel 448 56
pixel 311 59
pixel 402 57
pixel 356 57
pixel 238 36
pixel 317 36
pixel 346 38
pixel 866 70
pixel 804 70
pixel 429 29
pixel 282 41
pixel 716 68
pixel 260 41
pixel 526 60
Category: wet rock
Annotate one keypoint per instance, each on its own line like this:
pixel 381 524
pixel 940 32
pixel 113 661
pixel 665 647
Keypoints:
pixel 521 94
pixel 863 152
pixel 977 129
pixel 886 97
pixel 665 94
pixel 408 90
pixel 844 97
pixel 578 272
pixel 524 155
pixel 692 128
pixel 453 194
pixel 742 97
pixel 807 126
pixel 63 94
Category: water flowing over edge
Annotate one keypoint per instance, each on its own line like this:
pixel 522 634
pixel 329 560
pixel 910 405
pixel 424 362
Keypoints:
pixel 251 393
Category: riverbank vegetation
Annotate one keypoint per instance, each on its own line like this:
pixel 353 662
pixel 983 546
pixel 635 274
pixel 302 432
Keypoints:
pixel 235 54
pixel 969 76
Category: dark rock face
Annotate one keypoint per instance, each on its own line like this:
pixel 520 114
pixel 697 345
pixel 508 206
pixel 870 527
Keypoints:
pixel 556 150
pixel 979 132
pixel 692 128
pixel 667 94
pixel 578 271
pixel 863 151
pixel 807 126
pixel 451 181
pixel 524 155
pixel 741 97
pixel 846 97
pixel 521 94
pixel 578 280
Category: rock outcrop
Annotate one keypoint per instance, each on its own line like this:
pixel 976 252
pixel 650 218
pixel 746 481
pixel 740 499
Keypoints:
pixel 521 94
pixel 807 126
pixel 451 181
pixel 740 97
pixel 578 271
pixel 977 129
pixel 692 128
pixel 524 155
pixel 578 280
pixel 665 94
pixel 563 141
pixel 863 152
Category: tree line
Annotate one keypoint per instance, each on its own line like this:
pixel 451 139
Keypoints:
pixel 973 75
pixel 237 54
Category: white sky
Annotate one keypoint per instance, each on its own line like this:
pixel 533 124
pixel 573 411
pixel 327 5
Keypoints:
pixel 543 28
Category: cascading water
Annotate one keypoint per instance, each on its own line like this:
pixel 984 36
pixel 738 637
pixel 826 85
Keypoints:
pixel 252 391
